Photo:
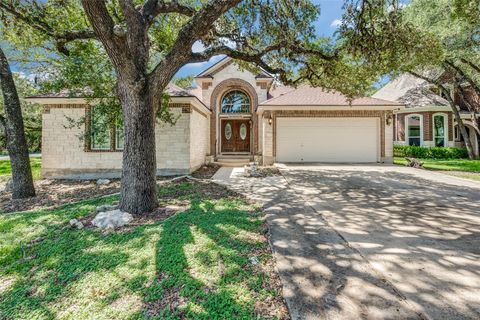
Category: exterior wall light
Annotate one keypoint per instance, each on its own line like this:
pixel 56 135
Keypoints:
pixel 389 119
pixel 270 120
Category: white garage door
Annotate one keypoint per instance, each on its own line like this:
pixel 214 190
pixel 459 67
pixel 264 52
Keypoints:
pixel 327 140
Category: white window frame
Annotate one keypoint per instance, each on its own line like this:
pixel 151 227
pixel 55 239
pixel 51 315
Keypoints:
pixel 445 124
pixel 407 136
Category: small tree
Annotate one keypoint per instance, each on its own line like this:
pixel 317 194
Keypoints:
pixel 424 37
pixel 12 121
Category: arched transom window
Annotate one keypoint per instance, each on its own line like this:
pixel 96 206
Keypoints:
pixel 235 102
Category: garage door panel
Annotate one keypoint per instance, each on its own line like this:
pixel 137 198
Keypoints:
pixel 327 140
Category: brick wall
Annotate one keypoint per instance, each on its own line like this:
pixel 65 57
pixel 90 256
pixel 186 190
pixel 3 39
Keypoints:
pixel 427 125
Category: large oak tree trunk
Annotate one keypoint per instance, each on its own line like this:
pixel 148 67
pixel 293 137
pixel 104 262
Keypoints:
pixel 138 190
pixel 14 129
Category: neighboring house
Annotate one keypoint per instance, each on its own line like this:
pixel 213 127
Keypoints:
pixel 231 114
pixel 427 119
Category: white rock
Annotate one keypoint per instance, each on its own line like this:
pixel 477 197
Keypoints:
pixel 254 260
pixel 112 219
pixel 103 181
pixel 105 207
pixel 74 223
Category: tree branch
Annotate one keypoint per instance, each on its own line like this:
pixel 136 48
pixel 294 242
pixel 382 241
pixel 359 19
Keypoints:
pixel 112 38
pixel 152 8
pixel 60 38
pixel 471 64
pixel 476 88
pixel 196 28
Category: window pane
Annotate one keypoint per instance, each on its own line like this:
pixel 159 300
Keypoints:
pixel 414 141
pixel 414 131
pixel 439 142
pixel 439 128
pixel 235 102
pixel 100 130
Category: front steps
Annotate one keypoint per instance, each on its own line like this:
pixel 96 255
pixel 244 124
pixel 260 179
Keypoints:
pixel 233 160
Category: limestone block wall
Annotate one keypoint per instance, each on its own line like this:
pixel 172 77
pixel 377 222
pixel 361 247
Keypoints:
pixel 180 148
pixel 173 144
pixel 231 71
pixel 63 148
pixel 199 138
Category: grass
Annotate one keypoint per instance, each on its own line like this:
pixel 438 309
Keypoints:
pixel 193 265
pixel 447 165
pixel 6 168
pixel 464 168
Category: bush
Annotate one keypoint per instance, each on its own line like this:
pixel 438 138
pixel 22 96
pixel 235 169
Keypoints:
pixel 430 153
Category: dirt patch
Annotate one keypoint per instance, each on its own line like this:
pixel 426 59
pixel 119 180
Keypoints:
pixel 206 172
pixel 52 193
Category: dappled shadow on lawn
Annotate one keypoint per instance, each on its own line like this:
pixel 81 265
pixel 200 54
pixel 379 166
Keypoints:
pixel 421 237
pixel 193 265
pixel 202 262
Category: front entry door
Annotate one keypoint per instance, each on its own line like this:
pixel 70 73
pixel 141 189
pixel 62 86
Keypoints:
pixel 235 136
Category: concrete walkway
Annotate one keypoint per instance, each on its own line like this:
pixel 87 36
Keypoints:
pixel 371 242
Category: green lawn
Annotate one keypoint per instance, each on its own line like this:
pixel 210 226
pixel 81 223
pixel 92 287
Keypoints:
pixel 447 165
pixel 6 169
pixel 193 265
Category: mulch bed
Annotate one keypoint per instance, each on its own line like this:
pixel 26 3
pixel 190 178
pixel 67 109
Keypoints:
pixel 52 193
pixel 206 172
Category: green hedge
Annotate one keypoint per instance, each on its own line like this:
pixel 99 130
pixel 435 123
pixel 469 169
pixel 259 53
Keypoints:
pixel 430 153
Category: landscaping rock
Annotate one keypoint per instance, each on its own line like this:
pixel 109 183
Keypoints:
pixel 112 219
pixel 103 182
pixel 254 261
pixel 105 207
pixel 414 163
pixel 74 223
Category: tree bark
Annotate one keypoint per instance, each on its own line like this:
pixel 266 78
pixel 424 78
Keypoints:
pixel 138 190
pixel 15 134
pixel 461 126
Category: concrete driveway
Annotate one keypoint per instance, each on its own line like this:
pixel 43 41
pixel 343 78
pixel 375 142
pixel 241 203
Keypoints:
pixel 373 242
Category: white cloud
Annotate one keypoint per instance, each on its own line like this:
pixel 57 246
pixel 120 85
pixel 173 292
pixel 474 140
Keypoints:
pixel 336 23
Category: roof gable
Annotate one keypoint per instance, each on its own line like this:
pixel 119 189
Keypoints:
pixel 224 63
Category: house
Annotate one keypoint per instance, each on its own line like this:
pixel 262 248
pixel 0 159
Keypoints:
pixel 231 114
pixel 427 119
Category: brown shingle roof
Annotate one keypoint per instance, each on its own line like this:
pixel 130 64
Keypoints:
pixel 315 96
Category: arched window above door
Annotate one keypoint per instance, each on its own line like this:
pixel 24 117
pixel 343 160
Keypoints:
pixel 235 101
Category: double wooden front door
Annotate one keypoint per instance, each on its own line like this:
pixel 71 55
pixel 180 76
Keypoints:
pixel 235 135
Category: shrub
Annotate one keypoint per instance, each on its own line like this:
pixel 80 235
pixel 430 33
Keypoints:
pixel 430 153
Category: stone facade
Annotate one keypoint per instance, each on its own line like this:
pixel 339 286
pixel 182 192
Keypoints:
pixel 195 137
pixel 64 154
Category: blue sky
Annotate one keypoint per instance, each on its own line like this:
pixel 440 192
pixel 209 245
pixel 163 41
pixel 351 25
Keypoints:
pixel 330 15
